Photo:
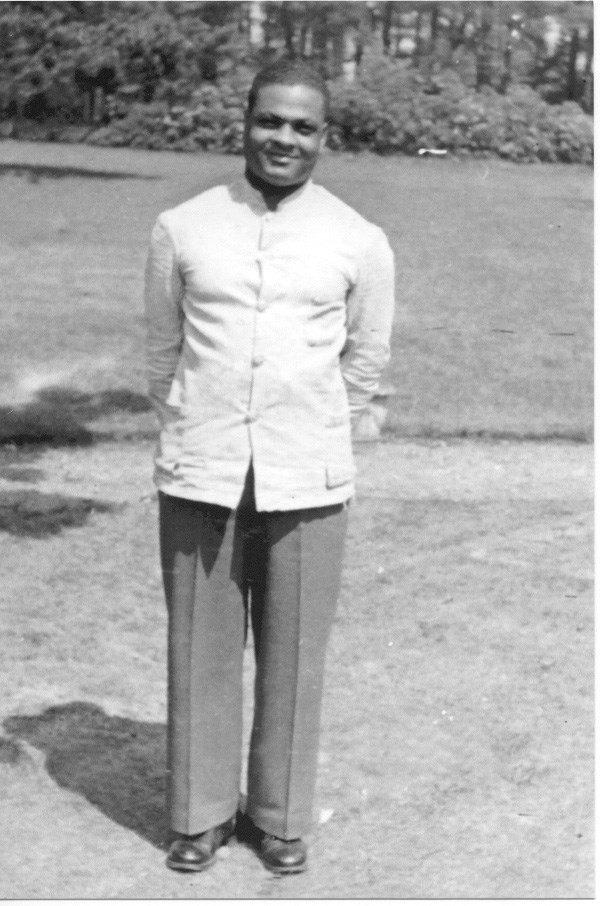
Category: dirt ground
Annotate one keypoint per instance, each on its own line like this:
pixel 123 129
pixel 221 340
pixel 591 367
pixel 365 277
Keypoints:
pixel 457 728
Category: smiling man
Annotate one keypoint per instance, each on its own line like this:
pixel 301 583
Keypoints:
pixel 269 307
pixel 285 131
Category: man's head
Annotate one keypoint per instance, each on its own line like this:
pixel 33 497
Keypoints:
pixel 285 123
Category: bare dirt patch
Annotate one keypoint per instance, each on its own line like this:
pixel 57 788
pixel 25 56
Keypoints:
pixel 457 729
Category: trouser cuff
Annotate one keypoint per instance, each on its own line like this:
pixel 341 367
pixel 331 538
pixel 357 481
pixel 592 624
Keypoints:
pixel 202 821
pixel 283 829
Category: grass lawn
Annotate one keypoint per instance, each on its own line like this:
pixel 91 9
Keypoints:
pixel 493 330
pixel 457 746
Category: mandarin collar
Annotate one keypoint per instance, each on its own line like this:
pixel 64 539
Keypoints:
pixel 242 191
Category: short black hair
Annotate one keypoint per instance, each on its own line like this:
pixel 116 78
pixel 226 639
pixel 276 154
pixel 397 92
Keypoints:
pixel 287 71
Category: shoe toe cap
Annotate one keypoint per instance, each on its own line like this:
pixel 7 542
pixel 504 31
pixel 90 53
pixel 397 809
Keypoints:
pixel 284 854
pixel 184 854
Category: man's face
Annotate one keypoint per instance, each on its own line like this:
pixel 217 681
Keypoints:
pixel 284 133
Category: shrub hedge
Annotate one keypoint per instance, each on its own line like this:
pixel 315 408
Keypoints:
pixel 389 110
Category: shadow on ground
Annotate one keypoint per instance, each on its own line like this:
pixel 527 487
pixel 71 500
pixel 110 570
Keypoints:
pixel 16 463
pixel 36 171
pixel 116 763
pixel 30 512
pixel 10 472
pixel 58 416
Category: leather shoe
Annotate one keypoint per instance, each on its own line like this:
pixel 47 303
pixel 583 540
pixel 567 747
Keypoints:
pixel 196 853
pixel 282 857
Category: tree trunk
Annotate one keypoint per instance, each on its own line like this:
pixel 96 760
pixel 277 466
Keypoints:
pixel 364 29
pixel 572 87
pixel 507 72
pixel 587 96
pixel 484 51
pixel 416 57
pixel 87 106
pixel 388 9
pixel 287 23
pixel 320 37
pixel 98 104
pixel 456 36
pixel 433 29
pixel 338 41
pixel 431 46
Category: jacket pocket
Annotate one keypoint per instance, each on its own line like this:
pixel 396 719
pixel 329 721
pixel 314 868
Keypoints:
pixel 338 475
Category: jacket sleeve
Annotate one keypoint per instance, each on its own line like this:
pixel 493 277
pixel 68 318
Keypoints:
pixel 163 295
pixel 369 324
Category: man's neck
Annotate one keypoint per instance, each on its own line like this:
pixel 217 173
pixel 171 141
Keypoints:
pixel 271 194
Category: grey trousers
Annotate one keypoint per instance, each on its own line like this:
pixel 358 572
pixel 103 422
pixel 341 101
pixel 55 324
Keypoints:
pixel 222 568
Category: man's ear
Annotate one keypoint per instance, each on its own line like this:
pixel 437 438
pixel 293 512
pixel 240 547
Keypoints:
pixel 246 122
pixel 323 142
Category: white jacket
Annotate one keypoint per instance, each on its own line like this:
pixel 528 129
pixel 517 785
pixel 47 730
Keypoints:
pixel 267 331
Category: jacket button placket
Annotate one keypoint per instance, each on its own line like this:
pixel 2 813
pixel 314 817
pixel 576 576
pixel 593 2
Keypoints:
pixel 258 357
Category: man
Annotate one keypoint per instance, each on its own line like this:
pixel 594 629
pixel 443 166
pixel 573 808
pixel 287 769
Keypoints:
pixel 269 306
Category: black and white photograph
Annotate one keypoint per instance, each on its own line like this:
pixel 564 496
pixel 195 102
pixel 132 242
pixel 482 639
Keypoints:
pixel 296 450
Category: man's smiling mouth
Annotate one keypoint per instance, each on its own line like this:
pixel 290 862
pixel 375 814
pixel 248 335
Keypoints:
pixel 279 157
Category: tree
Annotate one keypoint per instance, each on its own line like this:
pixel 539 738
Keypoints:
pixel 64 59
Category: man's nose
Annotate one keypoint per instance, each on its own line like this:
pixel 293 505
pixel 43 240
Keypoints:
pixel 284 135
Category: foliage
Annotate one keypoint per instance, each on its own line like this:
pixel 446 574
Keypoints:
pixel 54 54
pixel 467 77
pixel 391 110
pixel 395 110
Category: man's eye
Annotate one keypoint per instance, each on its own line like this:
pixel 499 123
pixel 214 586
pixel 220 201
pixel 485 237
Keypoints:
pixel 306 130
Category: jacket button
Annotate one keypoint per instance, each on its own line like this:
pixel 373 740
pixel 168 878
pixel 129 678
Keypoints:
pixel 261 305
pixel 258 360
